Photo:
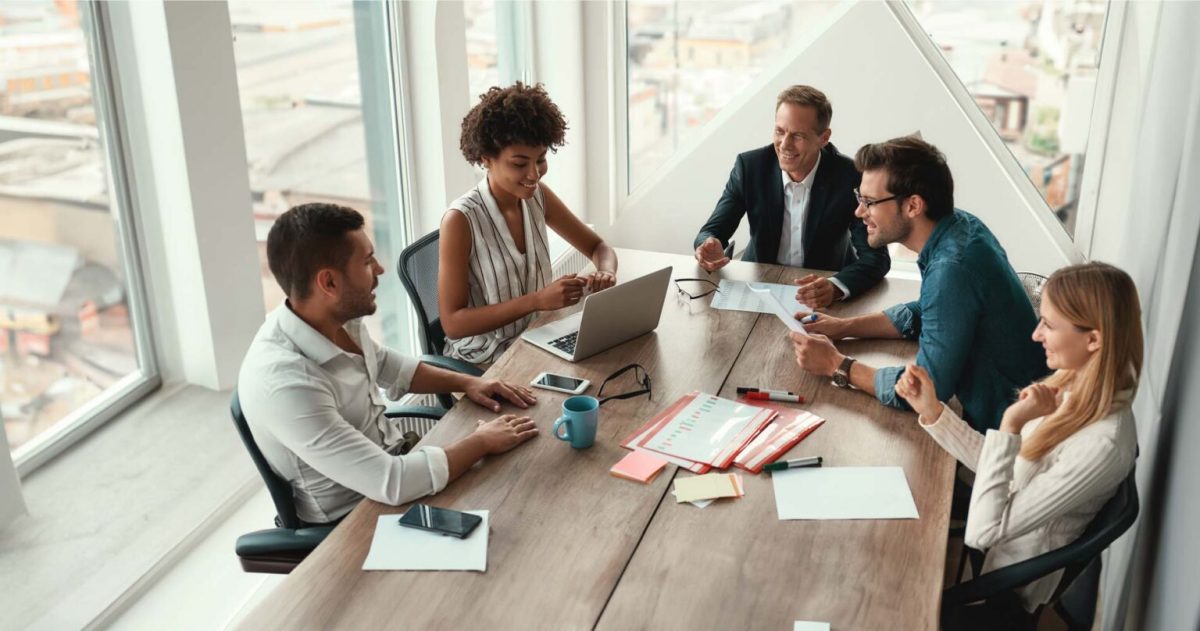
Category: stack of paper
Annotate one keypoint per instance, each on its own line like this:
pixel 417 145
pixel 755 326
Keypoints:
pixel 785 432
pixel 701 431
pixel 702 490
pixel 638 466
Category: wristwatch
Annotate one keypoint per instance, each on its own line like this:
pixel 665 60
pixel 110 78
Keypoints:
pixel 841 377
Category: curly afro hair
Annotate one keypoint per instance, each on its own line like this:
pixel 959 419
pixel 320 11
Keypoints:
pixel 518 114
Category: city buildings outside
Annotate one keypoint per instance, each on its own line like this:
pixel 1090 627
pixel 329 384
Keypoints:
pixel 65 331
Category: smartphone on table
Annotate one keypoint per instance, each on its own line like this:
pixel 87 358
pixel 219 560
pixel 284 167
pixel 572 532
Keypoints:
pixel 560 383
pixel 440 520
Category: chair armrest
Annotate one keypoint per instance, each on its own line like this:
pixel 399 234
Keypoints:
pixel 274 540
pixel 451 364
pixel 1010 577
pixel 396 410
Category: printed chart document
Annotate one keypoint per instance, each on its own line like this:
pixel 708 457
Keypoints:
pixel 708 430
pixel 739 295
pixel 397 547
pixel 782 311
pixel 843 493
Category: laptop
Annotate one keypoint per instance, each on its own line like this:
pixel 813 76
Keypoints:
pixel 617 314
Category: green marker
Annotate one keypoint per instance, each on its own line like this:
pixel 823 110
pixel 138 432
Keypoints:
pixel 812 461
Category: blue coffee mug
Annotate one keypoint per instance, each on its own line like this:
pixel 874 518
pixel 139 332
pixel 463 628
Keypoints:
pixel 578 422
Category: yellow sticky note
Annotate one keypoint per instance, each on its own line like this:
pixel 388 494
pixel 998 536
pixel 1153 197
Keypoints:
pixel 704 487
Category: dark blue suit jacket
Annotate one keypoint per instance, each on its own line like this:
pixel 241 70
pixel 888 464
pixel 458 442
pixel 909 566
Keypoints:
pixel 834 239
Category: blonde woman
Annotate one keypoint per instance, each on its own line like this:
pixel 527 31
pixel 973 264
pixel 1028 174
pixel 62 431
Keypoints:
pixel 1067 442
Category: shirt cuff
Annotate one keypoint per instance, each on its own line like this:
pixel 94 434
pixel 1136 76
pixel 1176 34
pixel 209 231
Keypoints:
pixel 840 285
pixel 885 387
pixel 439 467
pixel 902 318
pixel 406 368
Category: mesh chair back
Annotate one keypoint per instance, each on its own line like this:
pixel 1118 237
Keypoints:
pixel 281 491
pixel 1033 284
pixel 418 269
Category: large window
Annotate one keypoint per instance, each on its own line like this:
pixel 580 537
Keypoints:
pixel 72 343
pixel 320 125
pixel 1031 67
pixel 482 51
pixel 686 60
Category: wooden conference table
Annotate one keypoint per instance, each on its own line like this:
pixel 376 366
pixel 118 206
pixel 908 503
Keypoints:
pixel 573 547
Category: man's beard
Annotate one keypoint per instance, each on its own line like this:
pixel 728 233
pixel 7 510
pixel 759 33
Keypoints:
pixel 356 305
pixel 896 235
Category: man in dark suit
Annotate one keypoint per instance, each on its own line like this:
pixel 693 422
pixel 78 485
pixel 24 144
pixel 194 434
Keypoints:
pixel 799 196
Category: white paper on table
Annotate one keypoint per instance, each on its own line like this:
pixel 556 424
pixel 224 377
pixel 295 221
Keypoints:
pixel 843 493
pixel 808 625
pixel 737 295
pixel 697 503
pixel 780 309
pixel 397 547
pixel 703 428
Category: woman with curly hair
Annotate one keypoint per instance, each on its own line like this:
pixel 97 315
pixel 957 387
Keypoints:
pixel 1062 448
pixel 494 258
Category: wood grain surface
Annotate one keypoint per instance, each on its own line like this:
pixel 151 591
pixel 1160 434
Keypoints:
pixel 736 565
pixel 563 529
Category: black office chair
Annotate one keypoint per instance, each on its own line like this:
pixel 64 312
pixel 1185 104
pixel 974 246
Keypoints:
pixel 418 270
pixel 1033 285
pixel 1075 597
pixel 279 550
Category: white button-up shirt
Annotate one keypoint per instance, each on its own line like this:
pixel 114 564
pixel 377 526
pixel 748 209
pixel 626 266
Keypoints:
pixel 795 211
pixel 796 198
pixel 317 415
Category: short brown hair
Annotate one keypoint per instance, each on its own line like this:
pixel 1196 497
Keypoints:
pixel 306 239
pixel 914 167
pixel 808 96
pixel 519 114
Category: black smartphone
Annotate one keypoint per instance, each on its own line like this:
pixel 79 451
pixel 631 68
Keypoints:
pixel 440 520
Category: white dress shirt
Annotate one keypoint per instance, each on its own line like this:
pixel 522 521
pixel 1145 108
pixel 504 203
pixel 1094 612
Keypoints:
pixel 316 413
pixel 796 197
pixel 1020 508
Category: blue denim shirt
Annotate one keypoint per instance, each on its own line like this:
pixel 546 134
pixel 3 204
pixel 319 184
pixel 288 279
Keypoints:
pixel 973 323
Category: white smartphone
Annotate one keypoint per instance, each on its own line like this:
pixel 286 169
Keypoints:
pixel 560 383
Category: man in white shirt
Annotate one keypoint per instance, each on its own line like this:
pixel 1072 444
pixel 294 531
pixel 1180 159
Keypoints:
pixel 798 195
pixel 310 383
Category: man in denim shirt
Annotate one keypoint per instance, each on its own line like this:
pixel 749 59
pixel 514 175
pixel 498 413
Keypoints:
pixel 973 320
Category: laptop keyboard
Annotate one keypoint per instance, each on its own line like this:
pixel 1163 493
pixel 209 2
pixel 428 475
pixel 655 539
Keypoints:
pixel 566 343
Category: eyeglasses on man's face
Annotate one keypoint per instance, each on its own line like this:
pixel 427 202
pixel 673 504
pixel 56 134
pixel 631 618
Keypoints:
pixel 867 203
pixel 693 288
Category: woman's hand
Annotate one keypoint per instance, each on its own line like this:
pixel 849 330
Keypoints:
pixel 600 280
pixel 1035 401
pixel 916 386
pixel 563 292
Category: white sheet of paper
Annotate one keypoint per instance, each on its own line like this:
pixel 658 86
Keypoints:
pixel 788 318
pixel 703 428
pixel 843 493
pixel 397 547
pixel 808 625
pixel 736 295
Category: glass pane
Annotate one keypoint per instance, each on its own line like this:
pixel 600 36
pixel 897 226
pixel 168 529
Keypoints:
pixel 482 65
pixel 686 60
pixel 65 330
pixel 311 136
pixel 1031 67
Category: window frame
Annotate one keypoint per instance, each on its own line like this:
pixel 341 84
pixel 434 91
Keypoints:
pixel 136 385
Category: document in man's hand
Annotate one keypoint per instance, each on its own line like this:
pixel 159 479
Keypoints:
pixel 397 547
pixel 843 493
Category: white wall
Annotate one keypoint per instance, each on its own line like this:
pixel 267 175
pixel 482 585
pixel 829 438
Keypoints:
pixel 180 109
pixel 881 86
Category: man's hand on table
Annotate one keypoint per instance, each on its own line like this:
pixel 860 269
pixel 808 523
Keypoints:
pixel 486 391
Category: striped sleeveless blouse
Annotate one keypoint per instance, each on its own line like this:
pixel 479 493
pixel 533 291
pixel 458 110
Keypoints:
pixel 497 271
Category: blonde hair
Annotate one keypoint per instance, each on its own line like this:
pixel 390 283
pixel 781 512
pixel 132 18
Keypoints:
pixel 1093 297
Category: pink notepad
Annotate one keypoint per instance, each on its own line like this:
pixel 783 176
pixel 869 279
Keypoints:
pixel 638 466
